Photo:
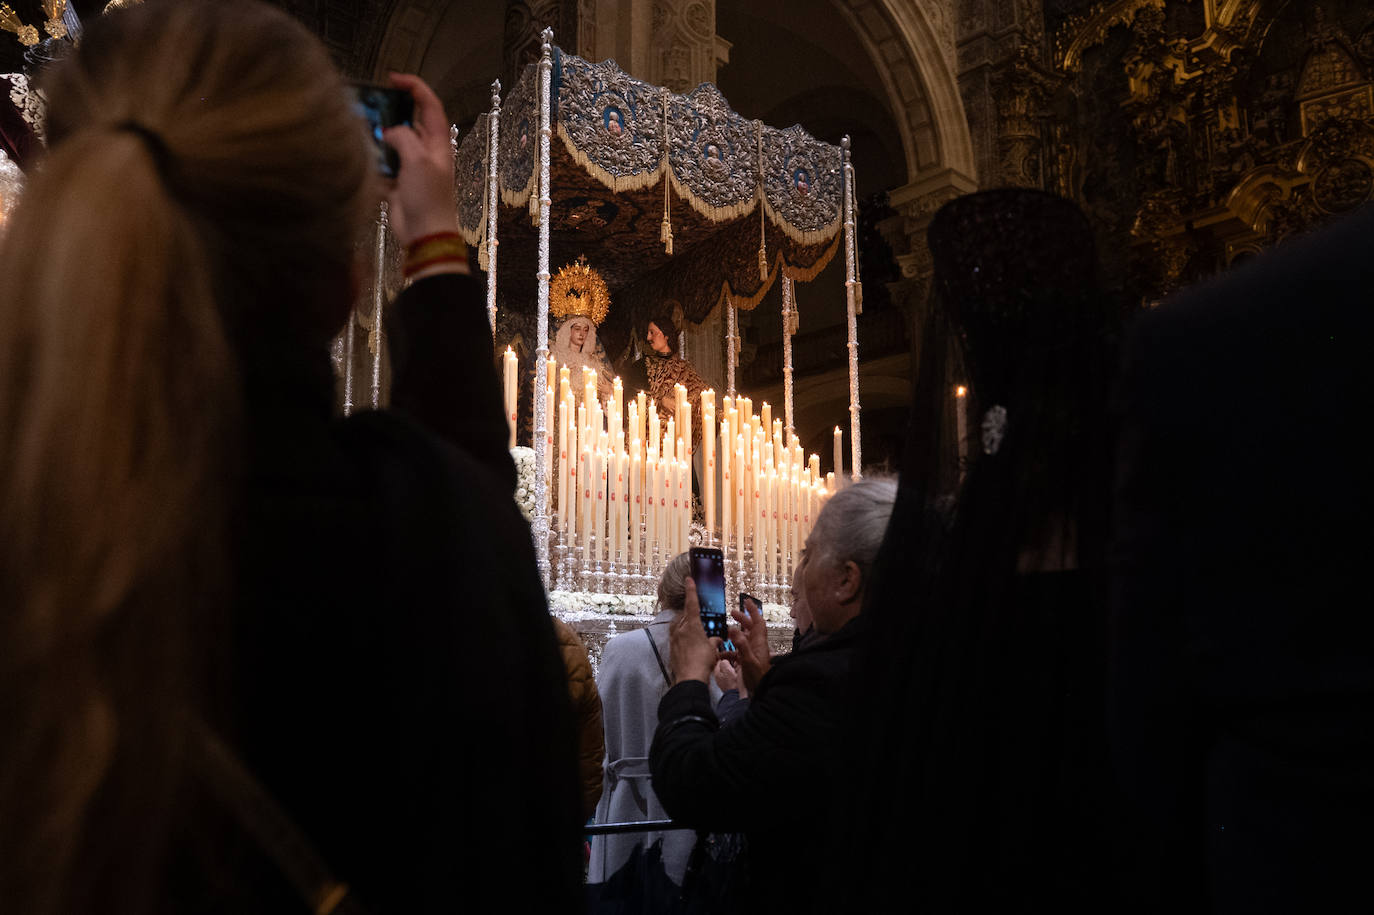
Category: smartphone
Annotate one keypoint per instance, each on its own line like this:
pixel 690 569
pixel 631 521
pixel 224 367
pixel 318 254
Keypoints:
pixel 744 597
pixel 381 107
pixel 708 571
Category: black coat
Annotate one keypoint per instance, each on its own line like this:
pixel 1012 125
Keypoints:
pixel 1243 669
pixel 785 746
pixel 386 585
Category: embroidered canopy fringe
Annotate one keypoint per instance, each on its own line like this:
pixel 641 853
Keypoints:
pixel 779 265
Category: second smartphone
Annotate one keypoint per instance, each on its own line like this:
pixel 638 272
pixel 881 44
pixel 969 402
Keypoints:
pixel 708 571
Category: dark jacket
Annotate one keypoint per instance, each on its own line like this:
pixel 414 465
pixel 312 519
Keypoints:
pixel 386 583
pixel 1243 687
pixel 784 746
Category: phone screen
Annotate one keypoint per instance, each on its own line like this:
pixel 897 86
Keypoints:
pixel 744 597
pixel 382 107
pixel 708 571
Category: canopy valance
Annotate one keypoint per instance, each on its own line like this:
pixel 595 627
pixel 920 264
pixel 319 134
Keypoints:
pixel 635 166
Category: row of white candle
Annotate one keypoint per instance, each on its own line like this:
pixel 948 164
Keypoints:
pixel 771 493
pixel 608 490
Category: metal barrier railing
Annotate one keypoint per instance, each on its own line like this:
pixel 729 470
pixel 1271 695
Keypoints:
pixel 611 829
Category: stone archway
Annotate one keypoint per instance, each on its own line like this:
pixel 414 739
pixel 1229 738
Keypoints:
pixel 912 47
pixel 408 29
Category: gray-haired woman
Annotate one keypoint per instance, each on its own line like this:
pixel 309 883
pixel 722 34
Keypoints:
pixel 789 743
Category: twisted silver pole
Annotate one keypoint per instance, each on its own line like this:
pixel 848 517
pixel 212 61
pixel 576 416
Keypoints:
pixel 378 298
pixel 789 309
pixel 850 303
pixel 493 131
pixel 731 339
pixel 541 490
pixel 349 344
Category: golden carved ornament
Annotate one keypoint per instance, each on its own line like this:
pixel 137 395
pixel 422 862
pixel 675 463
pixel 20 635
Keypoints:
pixel 10 22
pixel 54 9
pixel 579 290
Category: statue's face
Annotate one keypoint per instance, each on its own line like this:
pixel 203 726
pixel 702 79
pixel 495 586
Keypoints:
pixel 577 333
pixel 657 341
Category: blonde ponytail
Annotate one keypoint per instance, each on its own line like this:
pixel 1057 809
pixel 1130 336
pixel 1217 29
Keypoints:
pixel 205 176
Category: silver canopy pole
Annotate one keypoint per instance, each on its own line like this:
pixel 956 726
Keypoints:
pixel 541 490
pixel 493 131
pixel 851 307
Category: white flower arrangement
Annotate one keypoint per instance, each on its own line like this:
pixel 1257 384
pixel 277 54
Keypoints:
pixel 578 605
pixel 524 480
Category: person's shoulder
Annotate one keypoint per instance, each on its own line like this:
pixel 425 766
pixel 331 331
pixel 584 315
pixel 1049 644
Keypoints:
pixel 624 645
pixel 1300 282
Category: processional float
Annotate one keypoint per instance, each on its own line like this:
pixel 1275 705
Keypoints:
pixel 606 197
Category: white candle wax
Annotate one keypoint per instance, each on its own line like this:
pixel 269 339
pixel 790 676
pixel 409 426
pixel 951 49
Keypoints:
pixel 511 367
pixel 839 453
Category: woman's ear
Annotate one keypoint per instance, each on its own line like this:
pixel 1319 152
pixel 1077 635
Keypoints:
pixel 851 583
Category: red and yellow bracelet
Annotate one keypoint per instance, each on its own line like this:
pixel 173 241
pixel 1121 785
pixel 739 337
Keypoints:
pixel 429 250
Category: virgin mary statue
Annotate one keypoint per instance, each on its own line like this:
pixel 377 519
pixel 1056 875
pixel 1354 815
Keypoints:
pixel 578 296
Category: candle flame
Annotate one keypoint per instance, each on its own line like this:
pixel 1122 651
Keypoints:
pixel 961 391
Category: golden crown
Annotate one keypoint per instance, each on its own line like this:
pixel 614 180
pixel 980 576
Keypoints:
pixel 579 290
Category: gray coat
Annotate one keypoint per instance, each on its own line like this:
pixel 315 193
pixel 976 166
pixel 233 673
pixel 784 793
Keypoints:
pixel 631 683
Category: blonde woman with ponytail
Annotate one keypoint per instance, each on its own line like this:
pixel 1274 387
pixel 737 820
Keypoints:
pixel 227 616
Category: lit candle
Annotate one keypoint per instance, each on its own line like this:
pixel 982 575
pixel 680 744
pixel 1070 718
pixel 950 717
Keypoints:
pixel 961 427
pixel 674 504
pixel 708 441
pixel 794 515
pixel 765 555
pixel 685 432
pixel 624 516
pixel 651 485
pixel 599 487
pixel 739 505
pixel 618 395
pixel 665 507
pixel 548 431
pixel 511 366
pixel 563 466
pixel 684 487
pixel 767 417
pixel 727 492
pixel 839 453
pixel 670 439
pixel 636 499
pixel 654 440
pixel 585 487
pixel 829 483
pixel 643 416
pixel 757 496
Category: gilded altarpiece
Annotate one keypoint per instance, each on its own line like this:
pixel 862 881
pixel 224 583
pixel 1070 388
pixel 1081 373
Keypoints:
pixel 1196 133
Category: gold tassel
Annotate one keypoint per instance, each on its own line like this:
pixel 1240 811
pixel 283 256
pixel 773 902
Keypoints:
pixel 668 247
pixel 664 229
pixel 763 264
pixel 534 206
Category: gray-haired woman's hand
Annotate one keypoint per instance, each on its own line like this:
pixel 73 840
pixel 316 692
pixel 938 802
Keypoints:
pixel 751 643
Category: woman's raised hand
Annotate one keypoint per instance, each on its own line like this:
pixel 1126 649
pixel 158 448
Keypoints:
pixel 421 200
